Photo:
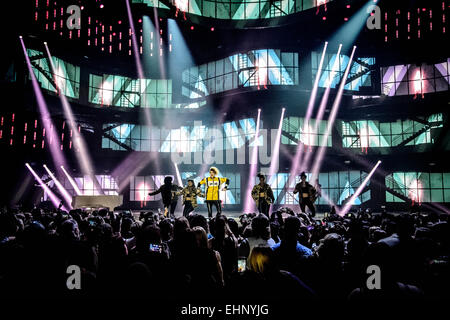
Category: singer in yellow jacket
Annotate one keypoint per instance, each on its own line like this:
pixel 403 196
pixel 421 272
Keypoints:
pixel 213 184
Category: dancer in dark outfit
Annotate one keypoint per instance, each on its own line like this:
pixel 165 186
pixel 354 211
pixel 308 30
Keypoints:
pixel 169 196
pixel 307 194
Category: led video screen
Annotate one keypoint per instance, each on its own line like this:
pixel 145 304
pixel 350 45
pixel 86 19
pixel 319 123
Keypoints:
pixel 418 186
pixel 310 134
pixel 375 134
pixel 256 68
pixel 414 79
pixel 229 135
pixel 120 91
pixel 333 69
pixel 64 79
pixel 238 9
pixel 85 184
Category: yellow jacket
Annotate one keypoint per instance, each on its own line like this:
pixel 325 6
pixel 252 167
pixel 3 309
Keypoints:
pixel 212 187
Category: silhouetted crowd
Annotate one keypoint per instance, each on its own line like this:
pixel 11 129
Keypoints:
pixel 284 256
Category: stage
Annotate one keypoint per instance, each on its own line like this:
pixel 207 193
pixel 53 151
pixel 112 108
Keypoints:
pixel 228 214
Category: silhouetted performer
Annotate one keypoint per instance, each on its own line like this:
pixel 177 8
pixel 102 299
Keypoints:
pixel 169 196
pixel 306 196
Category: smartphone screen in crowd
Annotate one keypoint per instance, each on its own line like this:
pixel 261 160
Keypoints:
pixel 154 247
pixel 242 262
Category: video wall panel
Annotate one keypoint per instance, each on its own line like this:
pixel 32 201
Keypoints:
pixel 411 79
pixel 239 9
pixel 85 184
pixel 120 91
pixel 419 186
pixel 229 135
pixel 310 134
pixel 360 75
pixel 256 68
pixel 375 134
pixel 64 79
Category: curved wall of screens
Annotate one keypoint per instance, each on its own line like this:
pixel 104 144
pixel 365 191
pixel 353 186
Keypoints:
pixel 237 9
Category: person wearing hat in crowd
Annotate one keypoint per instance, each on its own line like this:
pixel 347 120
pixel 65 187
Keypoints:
pixel 212 190
pixel 263 195
pixel 190 194
pixel 169 196
pixel 307 194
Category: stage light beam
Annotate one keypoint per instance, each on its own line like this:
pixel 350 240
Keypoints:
pixel 253 167
pixel 180 182
pixel 82 155
pixel 358 191
pixel 276 149
pixel 53 198
pixel 72 182
pixel 331 119
pixel 298 155
pixel 55 150
pixel 60 187
pixel 323 104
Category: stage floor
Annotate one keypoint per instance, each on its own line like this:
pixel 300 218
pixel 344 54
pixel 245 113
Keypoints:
pixel 229 214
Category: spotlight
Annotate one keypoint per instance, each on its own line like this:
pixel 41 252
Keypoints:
pixel 57 155
pixel 180 182
pixel 253 166
pixel 83 155
pixel 299 153
pixel 20 37
pixel 332 118
pixel 102 6
pixel 212 28
pixel 323 103
pixel 192 27
pixel 358 191
pixel 72 182
pixel 54 199
pixel 276 149
pixel 60 187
